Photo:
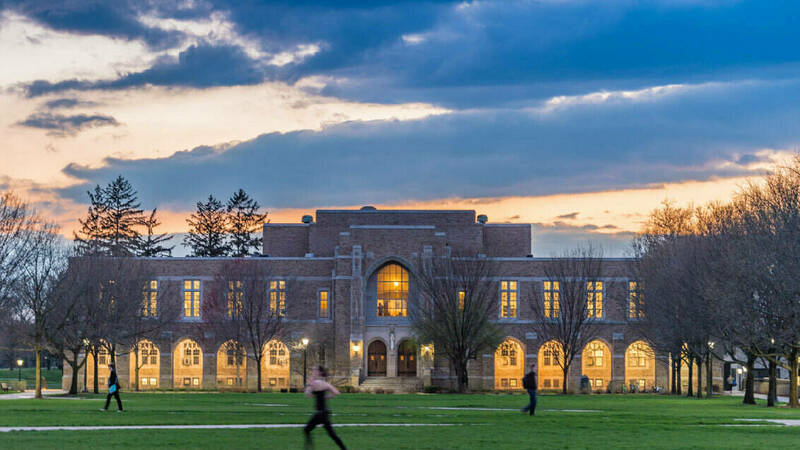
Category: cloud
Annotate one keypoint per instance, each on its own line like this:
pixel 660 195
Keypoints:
pixel 61 125
pixel 689 135
pixel 556 239
pixel 570 216
pixel 66 103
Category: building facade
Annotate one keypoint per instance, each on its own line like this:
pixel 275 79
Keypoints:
pixel 343 282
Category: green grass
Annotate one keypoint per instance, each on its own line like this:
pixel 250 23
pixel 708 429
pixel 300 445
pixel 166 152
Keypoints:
pixel 52 377
pixel 632 421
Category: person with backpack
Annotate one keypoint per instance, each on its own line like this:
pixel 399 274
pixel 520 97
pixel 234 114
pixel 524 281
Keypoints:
pixel 530 381
pixel 113 389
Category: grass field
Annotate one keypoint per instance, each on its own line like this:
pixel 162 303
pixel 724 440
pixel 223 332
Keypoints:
pixel 52 377
pixel 618 421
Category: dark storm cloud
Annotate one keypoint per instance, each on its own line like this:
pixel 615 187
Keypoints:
pixel 200 66
pixel 490 153
pixel 66 103
pixel 61 125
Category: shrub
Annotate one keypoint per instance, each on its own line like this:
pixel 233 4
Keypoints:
pixel 431 389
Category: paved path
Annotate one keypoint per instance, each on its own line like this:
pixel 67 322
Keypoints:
pixel 48 393
pixel 761 396
pixel 213 427
pixel 787 422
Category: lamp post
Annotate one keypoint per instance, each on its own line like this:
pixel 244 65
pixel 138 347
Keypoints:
pixel 19 366
pixel 305 359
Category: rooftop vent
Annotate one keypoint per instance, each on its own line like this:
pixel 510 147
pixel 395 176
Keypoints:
pixel 482 218
pixel 368 208
pixel 307 219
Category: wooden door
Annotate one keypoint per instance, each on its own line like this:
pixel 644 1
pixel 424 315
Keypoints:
pixel 407 359
pixel 376 359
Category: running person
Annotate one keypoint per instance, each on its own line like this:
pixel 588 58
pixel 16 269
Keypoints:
pixel 321 390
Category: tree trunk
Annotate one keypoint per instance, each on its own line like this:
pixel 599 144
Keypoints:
pixel 463 377
pixel 793 379
pixel 689 389
pixel 258 374
pixel 709 375
pixel 95 353
pixel 749 396
pixel 772 390
pixel 678 364
pixel 73 386
pixel 136 368
pixel 699 362
pixel 38 374
pixel 565 369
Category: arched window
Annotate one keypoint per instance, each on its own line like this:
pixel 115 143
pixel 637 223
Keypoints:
pixel 147 361
pixel 640 370
pixel 550 359
pixel 188 365
pixel 392 298
pixel 509 360
pixel 596 364
pixel 276 362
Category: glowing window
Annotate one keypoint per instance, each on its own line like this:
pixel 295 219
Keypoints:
pixel 191 298
pixel 552 307
pixel 594 299
pixel 594 355
pixel 392 298
pixel 191 354
pixel 277 298
pixel 234 299
pixel 150 299
pixel 638 355
pixel 323 304
pixel 635 301
pixel 508 299
pixel 462 295
pixel 149 353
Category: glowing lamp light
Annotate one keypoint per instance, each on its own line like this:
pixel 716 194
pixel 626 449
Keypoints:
pixel 20 362
pixel 739 371
pixel 356 348
pixel 744 369
pixel 304 341
pixel 396 283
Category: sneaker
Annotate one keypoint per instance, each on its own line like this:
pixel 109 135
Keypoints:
pixel 103 409
pixel 119 410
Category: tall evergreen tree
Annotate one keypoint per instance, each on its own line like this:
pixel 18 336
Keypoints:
pixel 89 238
pixel 244 220
pixel 207 228
pixel 121 217
pixel 150 243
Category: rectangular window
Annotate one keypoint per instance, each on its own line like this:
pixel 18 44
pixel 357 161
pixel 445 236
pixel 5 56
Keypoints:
pixel 277 298
pixel 323 304
pixel 462 295
pixel 594 299
pixel 552 307
pixel 234 299
pixel 508 299
pixel 191 298
pixel 635 303
pixel 150 299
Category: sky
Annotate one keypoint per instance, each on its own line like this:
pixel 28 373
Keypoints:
pixel 579 117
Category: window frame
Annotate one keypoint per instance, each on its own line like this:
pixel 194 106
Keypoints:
pixel 383 305
pixel 278 308
pixel 196 313
pixel 515 291
pixel 591 299
pixel 328 310
pixel 148 301
pixel 548 303
pixel 234 299
pixel 635 301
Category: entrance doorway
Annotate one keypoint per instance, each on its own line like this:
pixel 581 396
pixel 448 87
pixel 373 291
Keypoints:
pixel 407 359
pixel 376 362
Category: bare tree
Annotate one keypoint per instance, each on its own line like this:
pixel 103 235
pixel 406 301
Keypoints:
pixel 246 306
pixel 567 313
pixel 457 302
pixel 18 224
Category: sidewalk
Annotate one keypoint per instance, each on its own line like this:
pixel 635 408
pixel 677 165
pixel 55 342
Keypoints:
pixel 780 399
pixel 29 394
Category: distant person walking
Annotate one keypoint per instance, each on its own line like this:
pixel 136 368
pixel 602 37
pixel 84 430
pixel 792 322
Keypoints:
pixel 530 381
pixel 113 389
pixel 321 390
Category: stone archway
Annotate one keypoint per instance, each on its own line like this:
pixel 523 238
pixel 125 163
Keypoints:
pixel 551 376
pixel 640 367
pixel 187 363
pixel 231 365
pixel 596 364
pixel 509 365
pixel 148 359
pixel 275 371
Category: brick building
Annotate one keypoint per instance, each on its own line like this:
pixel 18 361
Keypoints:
pixel 345 280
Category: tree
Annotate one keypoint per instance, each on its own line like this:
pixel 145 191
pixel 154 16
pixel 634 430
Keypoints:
pixel 150 243
pixel 568 316
pixel 244 219
pixel 207 229
pixel 454 312
pixel 110 226
pixel 18 226
pixel 34 292
pixel 245 309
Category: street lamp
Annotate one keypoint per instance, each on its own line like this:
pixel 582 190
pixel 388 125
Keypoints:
pixel 19 366
pixel 305 359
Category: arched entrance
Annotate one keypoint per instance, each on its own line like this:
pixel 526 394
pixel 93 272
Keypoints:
pixel 231 365
pixel 509 365
pixel 640 368
pixel 275 370
pixel 551 375
pixel 407 359
pixel 145 356
pixel 376 359
pixel 596 364
pixel 187 364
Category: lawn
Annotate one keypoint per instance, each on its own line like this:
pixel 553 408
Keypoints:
pixel 52 377
pixel 615 421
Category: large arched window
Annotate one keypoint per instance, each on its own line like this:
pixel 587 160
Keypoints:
pixel 509 359
pixel 392 299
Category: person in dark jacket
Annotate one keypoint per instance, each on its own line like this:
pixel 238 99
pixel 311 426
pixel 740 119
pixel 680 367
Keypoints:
pixel 530 381
pixel 321 390
pixel 113 389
